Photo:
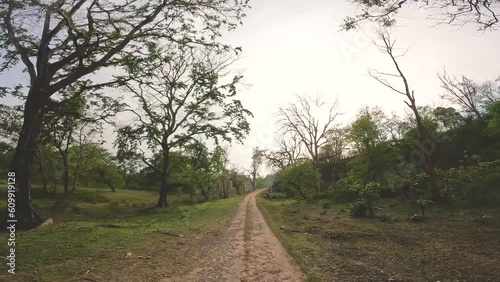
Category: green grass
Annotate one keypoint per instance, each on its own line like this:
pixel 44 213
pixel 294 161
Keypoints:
pixel 95 229
pixel 329 245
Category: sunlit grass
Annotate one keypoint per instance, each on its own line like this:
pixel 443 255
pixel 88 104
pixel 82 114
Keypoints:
pixel 92 235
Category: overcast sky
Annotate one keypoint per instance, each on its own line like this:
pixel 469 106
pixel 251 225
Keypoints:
pixel 295 47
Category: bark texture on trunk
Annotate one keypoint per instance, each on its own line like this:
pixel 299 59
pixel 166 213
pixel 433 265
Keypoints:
pixel 24 156
pixel 164 186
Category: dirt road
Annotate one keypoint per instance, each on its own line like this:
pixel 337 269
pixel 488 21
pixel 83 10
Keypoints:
pixel 246 251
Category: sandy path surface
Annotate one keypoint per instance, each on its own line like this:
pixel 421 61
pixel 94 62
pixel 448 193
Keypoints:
pixel 246 251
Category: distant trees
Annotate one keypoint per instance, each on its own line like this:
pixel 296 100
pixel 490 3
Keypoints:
pixel 257 157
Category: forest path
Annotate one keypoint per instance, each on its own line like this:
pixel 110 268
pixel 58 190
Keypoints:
pixel 247 251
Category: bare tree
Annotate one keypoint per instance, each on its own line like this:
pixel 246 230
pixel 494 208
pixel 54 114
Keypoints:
pixel 387 47
pixel 490 92
pixel 290 150
pixel 462 92
pixel 309 120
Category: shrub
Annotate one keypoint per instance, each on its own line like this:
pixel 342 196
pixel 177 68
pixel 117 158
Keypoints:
pixel 368 194
pixel 423 204
pixel 297 180
pixel 473 183
pixel 276 196
pixel 358 209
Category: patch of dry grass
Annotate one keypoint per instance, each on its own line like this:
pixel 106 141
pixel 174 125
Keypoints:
pixel 332 246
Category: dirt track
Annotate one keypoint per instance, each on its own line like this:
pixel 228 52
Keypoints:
pixel 246 251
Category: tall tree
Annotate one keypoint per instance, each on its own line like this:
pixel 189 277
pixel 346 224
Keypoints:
pixel 387 47
pixel 182 96
pixel 59 42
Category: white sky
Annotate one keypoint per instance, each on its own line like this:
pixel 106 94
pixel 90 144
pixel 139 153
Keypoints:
pixel 295 47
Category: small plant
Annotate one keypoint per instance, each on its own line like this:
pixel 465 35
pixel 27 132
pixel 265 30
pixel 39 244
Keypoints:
pixel 424 204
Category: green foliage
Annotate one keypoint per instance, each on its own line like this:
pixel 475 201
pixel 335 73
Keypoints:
pixel 424 204
pixel 473 183
pixel 369 193
pixel 297 180
pixel 493 116
pixel 345 190
pixel 325 203
pixel 275 196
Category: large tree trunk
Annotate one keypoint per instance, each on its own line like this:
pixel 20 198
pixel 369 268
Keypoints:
pixel 26 148
pixel 162 201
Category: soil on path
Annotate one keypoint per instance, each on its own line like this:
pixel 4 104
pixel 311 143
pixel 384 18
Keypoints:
pixel 246 251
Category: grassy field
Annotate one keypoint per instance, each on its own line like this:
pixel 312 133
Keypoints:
pixel 330 245
pixel 99 235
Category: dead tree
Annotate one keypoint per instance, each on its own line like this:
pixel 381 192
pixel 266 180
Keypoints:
pixel 387 47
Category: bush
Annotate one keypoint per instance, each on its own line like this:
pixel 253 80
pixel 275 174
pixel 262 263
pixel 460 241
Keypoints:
pixel 358 209
pixel 423 204
pixel 297 180
pixel 276 196
pixel 368 194
pixel 473 183
pixel 346 189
